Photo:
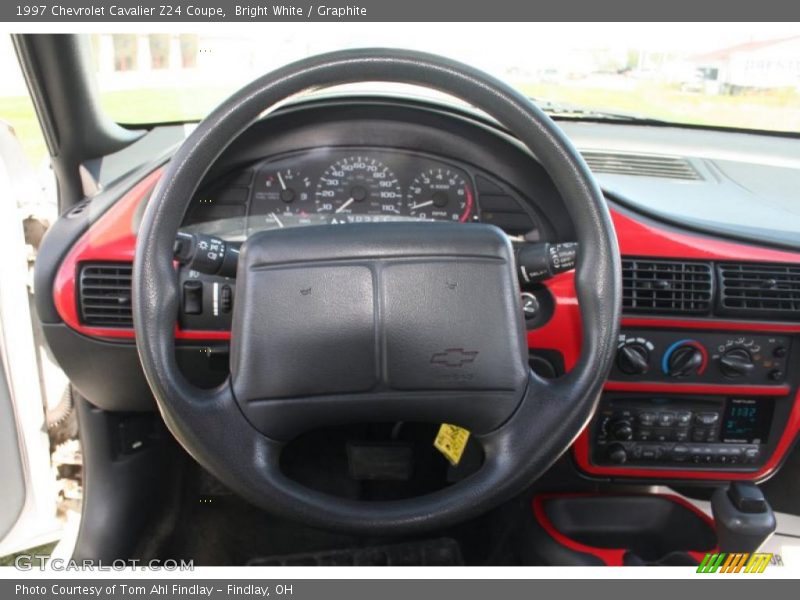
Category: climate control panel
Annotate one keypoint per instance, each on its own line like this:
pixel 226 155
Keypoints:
pixel 653 355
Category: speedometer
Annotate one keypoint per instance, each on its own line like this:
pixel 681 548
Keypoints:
pixel 359 185
pixel 441 194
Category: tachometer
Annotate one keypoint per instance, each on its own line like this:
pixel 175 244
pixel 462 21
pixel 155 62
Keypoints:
pixel 440 194
pixel 359 185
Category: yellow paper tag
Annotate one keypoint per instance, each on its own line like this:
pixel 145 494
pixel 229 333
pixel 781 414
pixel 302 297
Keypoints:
pixel 451 441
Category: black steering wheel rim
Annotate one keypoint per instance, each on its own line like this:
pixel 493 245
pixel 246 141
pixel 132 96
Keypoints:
pixel 209 424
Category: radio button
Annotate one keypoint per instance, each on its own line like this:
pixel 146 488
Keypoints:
pixel 680 453
pixel 663 435
pixel 647 418
pixel 775 375
pixel 650 453
pixel 706 418
pixel 750 455
pixel 665 419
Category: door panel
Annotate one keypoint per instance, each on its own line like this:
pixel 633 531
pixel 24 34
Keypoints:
pixel 12 476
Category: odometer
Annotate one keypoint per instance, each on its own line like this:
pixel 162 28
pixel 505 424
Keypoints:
pixel 359 185
pixel 440 194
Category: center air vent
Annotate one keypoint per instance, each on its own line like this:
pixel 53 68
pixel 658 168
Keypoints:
pixel 666 287
pixel 104 295
pixel 759 290
pixel 641 165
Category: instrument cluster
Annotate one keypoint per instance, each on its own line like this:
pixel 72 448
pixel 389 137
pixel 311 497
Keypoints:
pixel 353 185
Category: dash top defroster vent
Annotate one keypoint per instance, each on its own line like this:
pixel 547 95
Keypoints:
pixel 641 165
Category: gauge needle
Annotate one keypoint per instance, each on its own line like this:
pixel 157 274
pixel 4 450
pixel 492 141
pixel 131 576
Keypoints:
pixel 280 180
pixel 420 205
pixel 277 220
pixel 345 205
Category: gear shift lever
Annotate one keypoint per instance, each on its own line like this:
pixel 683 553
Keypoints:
pixel 744 519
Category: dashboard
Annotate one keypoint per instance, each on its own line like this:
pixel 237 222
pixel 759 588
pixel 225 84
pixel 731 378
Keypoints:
pixel 705 385
pixel 331 186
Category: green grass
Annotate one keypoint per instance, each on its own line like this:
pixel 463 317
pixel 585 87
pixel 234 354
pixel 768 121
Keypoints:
pixel 44 550
pixel 775 110
pixel 18 112
pixel 162 105
pixel 133 107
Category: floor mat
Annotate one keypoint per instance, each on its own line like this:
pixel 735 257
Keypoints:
pixel 443 552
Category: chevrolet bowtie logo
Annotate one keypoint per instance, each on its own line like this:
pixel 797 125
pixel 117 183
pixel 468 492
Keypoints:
pixel 454 357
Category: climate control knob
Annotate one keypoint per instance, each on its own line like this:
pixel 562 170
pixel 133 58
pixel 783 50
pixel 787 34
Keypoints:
pixel 633 359
pixel 684 359
pixel 736 362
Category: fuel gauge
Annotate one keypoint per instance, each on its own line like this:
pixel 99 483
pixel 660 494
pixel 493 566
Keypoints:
pixel 280 199
pixel 288 189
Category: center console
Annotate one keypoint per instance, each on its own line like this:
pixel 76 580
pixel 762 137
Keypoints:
pixel 692 401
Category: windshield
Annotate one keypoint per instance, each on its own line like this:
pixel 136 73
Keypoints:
pixel 744 75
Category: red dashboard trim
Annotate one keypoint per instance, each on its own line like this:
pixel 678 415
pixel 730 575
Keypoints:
pixel 637 238
pixel 696 388
pixel 611 557
pixel 710 324
pixel 112 237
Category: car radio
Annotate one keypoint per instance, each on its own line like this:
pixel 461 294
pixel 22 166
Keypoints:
pixel 676 432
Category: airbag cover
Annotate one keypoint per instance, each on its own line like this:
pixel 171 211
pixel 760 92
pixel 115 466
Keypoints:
pixel 379 307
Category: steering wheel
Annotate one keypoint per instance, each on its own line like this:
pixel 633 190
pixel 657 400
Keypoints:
pixel 381 322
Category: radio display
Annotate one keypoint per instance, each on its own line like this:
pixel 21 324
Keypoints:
pixel 747 421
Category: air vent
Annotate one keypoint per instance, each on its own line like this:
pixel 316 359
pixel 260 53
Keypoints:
pixel 759 290
pixel 641 165
pixel 105 294
pixel 666 287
